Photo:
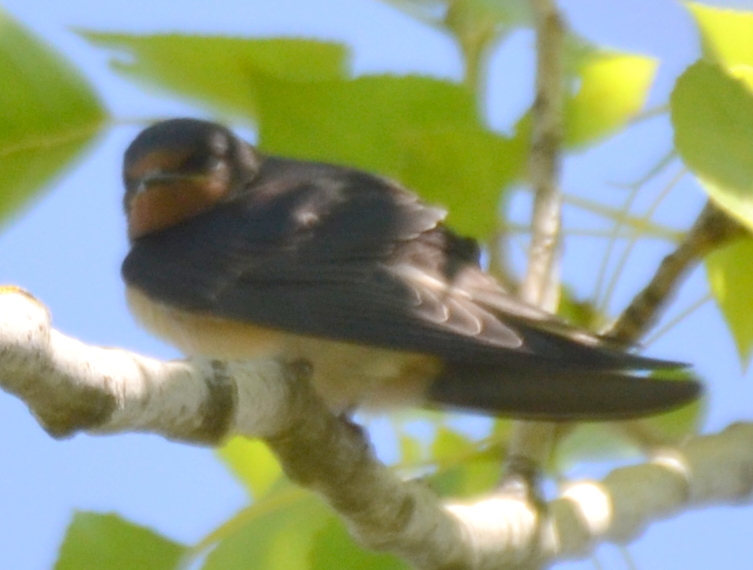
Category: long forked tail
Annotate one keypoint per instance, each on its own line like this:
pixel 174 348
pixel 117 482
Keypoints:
pixel 551 394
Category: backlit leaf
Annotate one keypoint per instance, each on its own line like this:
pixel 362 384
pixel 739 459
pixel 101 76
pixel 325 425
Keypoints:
pixel 219 72
pixel 334 548
pixel 712 114
pixel 277 535
pixel 48 114
pixel 731 281
pixel 252 463
pixel 613 88
pixel 107 541
pixel 725 34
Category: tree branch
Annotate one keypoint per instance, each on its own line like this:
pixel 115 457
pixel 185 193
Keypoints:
pixel 531 442
pixel 72 387
pixel 712 229
pixel 541 284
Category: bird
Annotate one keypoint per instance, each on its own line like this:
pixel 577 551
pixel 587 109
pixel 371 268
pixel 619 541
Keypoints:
pixel 236 254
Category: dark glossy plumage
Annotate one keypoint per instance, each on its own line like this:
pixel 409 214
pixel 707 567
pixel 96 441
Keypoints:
pixel 340 254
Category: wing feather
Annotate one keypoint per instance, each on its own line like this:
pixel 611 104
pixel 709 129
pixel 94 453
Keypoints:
pixel 341 254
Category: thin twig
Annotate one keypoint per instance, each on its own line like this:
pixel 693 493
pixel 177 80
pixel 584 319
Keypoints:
pixel 606 234
pixel 639 224
pixel 617 227
pixel 621 220
pixel 649 114
pixel 711 230
pixel 603 303
pixel 674 321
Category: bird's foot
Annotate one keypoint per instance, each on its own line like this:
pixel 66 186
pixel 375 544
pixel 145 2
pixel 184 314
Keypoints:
pixel 521 481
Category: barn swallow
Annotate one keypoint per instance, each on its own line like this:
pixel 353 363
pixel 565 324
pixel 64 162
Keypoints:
pixel 236 254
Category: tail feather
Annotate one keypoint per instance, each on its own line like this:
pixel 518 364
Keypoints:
pixel 549 394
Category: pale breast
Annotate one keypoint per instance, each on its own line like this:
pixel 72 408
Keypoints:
pixel 201 334
pixel 345 374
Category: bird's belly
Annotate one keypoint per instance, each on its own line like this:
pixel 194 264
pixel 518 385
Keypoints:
pixel 348 375
pixel 344 374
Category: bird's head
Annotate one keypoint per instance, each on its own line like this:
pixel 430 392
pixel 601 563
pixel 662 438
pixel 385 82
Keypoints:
pixel 177 169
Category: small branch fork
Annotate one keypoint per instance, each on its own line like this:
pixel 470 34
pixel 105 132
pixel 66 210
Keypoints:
pixel 71 387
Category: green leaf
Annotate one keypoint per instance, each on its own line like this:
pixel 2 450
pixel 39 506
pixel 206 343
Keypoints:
pixel 464 470
pixel 479 12
pixel 220 72
pixel 411 449
pixel 450 445
pixel 48 114
pixel 252 463
pixel 450 450
pixel 478 23
pixel 579 312
pixel 277 536
pixel 476 475
pixel 107 541
pixel 613 88
pixel 465 170
pixel 362 122
pixel 731 281
pixel 712 115
pixel 424 132
pixel 725 34
pixel 334 548
pixel 508 12
pixel 604 91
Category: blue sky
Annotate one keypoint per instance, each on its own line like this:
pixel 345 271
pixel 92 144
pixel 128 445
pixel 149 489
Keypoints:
pixel 67 249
